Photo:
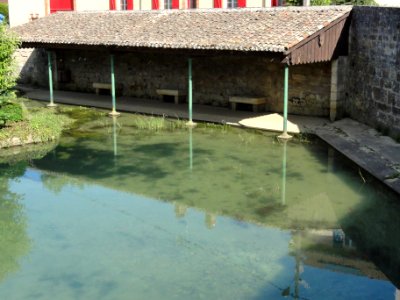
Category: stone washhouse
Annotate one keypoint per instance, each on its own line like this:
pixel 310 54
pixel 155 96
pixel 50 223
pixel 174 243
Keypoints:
pixel 290 56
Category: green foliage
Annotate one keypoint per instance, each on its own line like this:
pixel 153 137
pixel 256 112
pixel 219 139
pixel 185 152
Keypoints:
pixel 294 2
pixel 4 11
pixel 354 2
pixel 9 43
pixel 41 125
pixel 320 2
pixel 10 112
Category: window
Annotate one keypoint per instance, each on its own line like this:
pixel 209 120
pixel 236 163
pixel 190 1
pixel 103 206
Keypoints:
pixel 192 4
pixel 236 3
pixel 232 3
pixel 126 4
pixel 171 4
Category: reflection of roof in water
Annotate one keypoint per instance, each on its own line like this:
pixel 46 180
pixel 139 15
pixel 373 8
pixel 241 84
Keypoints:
pixel 319 250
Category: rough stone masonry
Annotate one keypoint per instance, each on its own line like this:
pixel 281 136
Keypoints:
pixel 373 85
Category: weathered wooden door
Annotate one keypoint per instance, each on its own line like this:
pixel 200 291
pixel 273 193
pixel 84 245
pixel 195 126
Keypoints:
pixel 61 5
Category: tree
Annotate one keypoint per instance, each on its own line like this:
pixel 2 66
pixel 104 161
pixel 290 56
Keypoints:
pixel 320 2
pixel 4 11
pixel 9 43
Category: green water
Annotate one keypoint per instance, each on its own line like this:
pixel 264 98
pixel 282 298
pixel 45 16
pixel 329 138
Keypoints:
pixel 114 212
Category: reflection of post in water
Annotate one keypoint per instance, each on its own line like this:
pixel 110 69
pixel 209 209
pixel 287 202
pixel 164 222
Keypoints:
pixel 210 220
pixel 190 148
pixel 283 190
pixel 115 142
pixel 296 244
pixel 180 210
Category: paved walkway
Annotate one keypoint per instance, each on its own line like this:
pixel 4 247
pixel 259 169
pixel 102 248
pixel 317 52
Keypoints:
pixel 379 155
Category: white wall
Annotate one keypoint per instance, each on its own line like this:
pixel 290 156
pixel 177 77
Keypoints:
pixel 81 5
pixel 258 3
pixel 20 10
pixel 206 3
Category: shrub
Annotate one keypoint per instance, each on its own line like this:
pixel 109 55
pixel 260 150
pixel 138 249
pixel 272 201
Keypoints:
pixel 10 112
pixel 320 2
pixel 9 43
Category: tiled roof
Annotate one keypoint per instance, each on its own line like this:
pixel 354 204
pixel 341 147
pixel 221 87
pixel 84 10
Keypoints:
pixel 272 30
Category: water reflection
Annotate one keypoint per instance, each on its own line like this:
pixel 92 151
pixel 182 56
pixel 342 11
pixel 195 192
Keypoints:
pixel 283 192
pixel 333 224
pixel 115 136
pixel 190 148
pixel 14 240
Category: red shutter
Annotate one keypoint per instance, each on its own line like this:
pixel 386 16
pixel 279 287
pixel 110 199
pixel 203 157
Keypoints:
pixel 155 4
pixel 217 3
pixel 56 5
pixel 241 3
pixel 274 2
pixel 129 5
pixel 112 5
pixel 175 4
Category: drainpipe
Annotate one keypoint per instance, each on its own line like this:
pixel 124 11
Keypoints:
pixel 51 104
pixel 114 112
pixel 190 91
pixel 285 135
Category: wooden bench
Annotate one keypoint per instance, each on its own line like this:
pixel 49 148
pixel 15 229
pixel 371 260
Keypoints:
pixel 175 93
pixel 256 102
pixel 101 86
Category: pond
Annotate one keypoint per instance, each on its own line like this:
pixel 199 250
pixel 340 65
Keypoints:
pixel 117 212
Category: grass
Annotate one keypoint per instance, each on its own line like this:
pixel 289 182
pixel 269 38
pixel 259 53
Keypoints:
pixel 40 125
pixel 156 123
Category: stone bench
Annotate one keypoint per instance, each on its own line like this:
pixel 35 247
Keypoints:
pixel 101 86
pixel 175 93
pixel 256 102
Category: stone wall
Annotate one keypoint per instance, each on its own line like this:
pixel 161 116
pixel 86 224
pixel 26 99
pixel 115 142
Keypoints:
pixel 214 78
pixel 32 66
pixel 373 89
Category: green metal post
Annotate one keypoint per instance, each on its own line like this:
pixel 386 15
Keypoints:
pixel 285 135
pixel 190 93
pixel 114 109
pixel 283 190
pixel 50 80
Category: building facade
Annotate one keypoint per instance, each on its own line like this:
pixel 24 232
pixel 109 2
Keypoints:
pixel 22 11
